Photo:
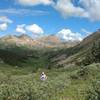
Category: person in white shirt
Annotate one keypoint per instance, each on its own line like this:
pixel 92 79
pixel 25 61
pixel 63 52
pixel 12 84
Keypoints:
pixel 43 76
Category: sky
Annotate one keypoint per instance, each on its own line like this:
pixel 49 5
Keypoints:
pixel 67 19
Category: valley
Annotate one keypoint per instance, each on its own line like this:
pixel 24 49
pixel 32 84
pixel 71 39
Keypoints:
pixel 73 73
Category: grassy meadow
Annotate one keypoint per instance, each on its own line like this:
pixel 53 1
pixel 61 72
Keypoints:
pixel 68 83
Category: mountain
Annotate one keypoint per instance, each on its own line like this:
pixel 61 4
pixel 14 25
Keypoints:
pixel 24 37
pixel 9 38
pixel 52 41
pixel 90 39
pixel 16 40
pixel 43 42
pixel 25 50
pixel 86 50
pixel 15 47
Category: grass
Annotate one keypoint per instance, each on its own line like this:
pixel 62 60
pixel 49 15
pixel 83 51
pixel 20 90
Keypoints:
pixel 21 83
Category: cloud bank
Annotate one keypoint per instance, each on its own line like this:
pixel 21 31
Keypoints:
pixel 68 35
pixel 68 8
pixel 37 32
pixel 35 2
pixel 85 9
pixel 20 29
pixel 5 19
pixel 3 27
pixel 21 12
pixel 4 23
pixel 35 29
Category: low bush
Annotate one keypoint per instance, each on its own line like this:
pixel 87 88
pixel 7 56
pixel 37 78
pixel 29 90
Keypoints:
pixel 28 88
pixel 94 91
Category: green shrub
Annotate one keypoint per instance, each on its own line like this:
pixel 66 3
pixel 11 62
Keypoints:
pixel 26 88
pixel 82 73
pixel 94 91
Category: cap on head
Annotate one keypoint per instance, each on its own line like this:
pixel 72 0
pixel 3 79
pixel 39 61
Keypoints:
pixel 42 72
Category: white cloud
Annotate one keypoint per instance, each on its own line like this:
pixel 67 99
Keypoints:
pixel 67 9
pixel 20 28
pixel 21 12
pixel 4 22
pixel 85 8
pixel 92 7
pixel 3 26
pixel 68 35
pixel 35 2
pixel 35 29
pixel 4 19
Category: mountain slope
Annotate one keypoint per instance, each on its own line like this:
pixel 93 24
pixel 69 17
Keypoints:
pixel 79 52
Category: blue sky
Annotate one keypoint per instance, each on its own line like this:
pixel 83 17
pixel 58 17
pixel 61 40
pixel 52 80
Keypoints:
pixel 64 18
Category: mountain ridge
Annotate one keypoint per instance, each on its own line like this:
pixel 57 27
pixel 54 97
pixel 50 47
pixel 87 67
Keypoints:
pixel 43 42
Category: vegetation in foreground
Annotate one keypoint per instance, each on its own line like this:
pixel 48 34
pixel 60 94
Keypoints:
pixel 68 83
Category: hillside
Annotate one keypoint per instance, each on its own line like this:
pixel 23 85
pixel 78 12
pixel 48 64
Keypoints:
pixel 79 52
pixel 90 39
